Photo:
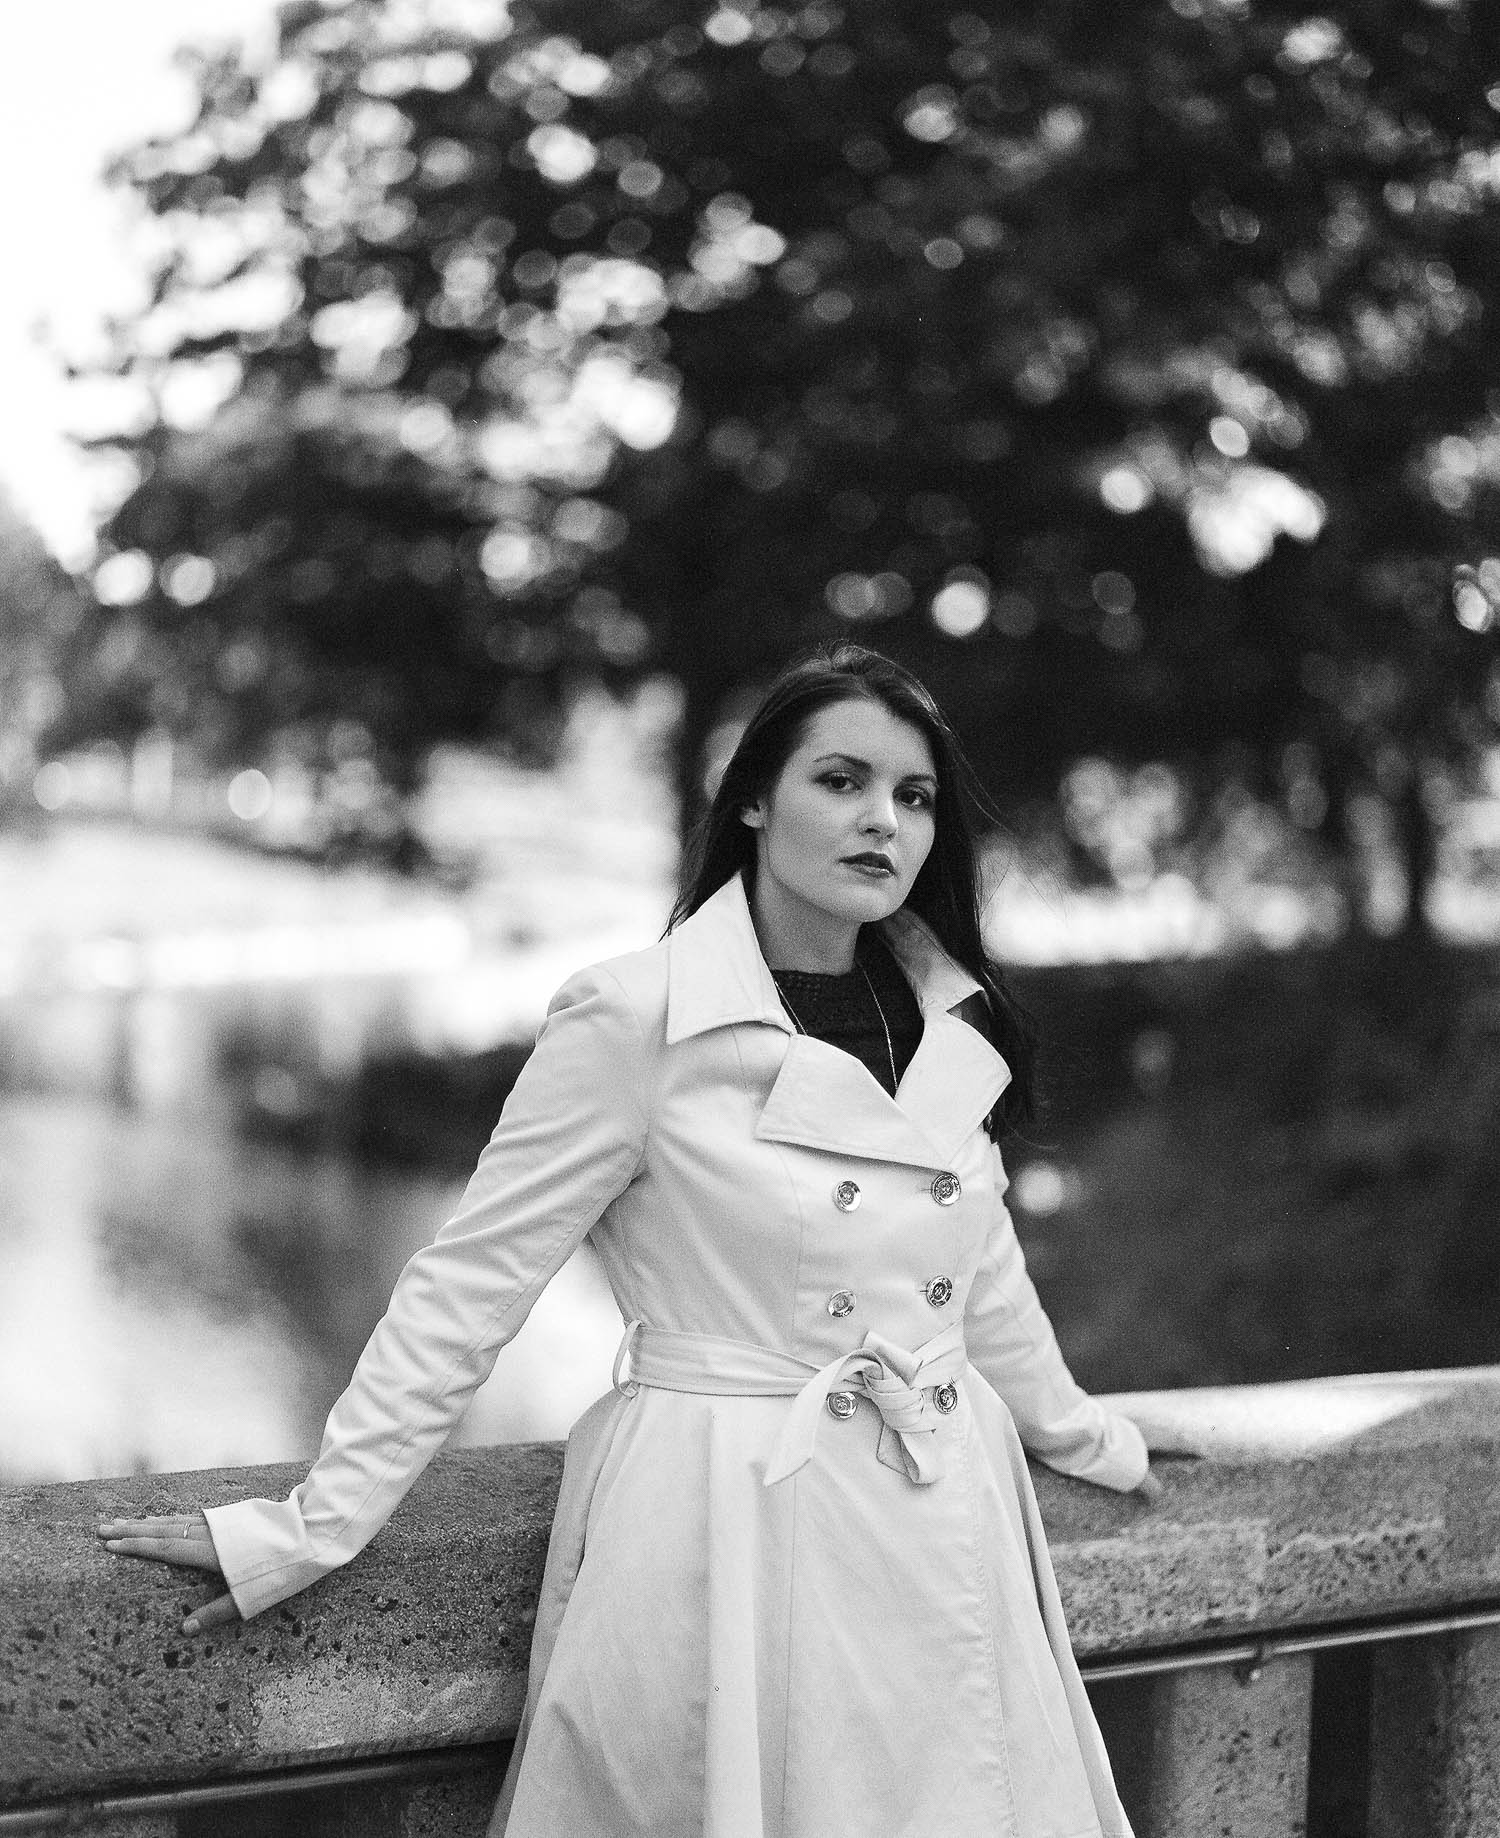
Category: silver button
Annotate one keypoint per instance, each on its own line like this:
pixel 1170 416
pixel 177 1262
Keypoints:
pixel 946 1188
pixel 841 1404
pixel 945 1398
pixel 841 1303
pixel 940 1291
pixel 846 1196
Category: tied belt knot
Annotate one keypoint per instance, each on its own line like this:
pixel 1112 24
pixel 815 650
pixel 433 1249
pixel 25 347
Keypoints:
pixel 898 1381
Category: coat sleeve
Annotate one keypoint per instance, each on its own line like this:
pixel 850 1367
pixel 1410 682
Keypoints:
pixel 570 1138
pixel 1010 1341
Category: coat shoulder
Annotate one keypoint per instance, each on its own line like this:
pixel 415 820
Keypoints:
pixel 635 981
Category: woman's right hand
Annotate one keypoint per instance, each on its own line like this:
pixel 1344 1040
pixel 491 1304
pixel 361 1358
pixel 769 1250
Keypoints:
pixel 174 1538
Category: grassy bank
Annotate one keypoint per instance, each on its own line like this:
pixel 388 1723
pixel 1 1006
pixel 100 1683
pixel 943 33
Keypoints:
pixel 1271 1167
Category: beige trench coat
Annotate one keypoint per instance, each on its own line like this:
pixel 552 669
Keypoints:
pixel 798 1586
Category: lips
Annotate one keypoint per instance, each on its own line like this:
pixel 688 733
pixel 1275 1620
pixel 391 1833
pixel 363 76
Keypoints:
pixel 871 860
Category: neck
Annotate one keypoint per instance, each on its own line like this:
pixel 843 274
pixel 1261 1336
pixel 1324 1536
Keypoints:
pixel 797 937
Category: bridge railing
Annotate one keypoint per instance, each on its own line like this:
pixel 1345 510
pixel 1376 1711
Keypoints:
pixel 1308 1618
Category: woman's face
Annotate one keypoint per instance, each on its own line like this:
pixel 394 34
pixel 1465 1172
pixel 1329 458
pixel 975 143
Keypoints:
pixel 850 819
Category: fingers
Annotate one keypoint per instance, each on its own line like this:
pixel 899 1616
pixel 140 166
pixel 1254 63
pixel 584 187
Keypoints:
pixel 186 1554
pixel 1150 1488
pixel 172 1538
pixel 211 1615
pixel 160 1525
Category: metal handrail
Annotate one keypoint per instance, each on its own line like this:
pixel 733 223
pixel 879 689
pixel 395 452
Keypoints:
pixel 1251 1656
pixel 312 1777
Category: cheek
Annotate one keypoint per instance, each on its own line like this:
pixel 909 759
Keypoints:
pixel 800 827
pixel 922 835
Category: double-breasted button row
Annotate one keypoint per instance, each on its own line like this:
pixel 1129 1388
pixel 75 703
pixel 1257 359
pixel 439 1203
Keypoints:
pixel 937 1289
pixel 945 1189
pixel 842 1404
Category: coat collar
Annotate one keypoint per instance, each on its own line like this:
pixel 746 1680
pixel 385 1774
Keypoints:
pixel 824 1098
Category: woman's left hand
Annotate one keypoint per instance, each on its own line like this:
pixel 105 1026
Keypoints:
pixel 174 1538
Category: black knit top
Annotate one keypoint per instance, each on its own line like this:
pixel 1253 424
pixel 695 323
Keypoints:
pixel 841 1009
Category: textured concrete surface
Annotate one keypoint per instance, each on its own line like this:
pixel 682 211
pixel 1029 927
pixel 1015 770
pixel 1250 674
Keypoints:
pixel 1229 1753
pixel 422 1641
pixel 1324 1501
pixel 1435 1738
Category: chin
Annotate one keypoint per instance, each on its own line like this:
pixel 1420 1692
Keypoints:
pixel 865 904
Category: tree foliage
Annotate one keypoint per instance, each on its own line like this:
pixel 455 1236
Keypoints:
pixel 39 609
pixel 1130 370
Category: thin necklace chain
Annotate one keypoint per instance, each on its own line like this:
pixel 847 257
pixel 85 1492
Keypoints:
pixel 890 1051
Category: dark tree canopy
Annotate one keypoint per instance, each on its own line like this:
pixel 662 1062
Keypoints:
pixel 1130 370
pixel 39 609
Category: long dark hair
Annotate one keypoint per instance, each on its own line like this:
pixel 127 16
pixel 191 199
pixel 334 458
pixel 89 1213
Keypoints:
pixel 946 891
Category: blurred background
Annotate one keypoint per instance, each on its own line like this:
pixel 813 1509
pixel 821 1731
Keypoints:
pixel 427 425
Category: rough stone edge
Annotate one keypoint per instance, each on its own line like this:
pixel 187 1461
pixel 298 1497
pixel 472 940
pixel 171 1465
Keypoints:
pixel 1324 1501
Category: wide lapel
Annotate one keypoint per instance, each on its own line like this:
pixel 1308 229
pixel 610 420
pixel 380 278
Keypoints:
pixel 823 1098
pixel 955 1075
pixel 716 975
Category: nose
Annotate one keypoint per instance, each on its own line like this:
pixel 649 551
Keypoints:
pixel 879 816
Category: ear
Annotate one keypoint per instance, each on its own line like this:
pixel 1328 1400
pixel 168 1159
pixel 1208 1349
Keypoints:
pixel 753 816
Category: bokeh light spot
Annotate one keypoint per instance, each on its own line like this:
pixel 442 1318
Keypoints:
pixel 52 786
pixel 931 114
pixel 868 596
pixel 1125 490
pixel 832 306
pixel 960 609
pixel 1040 1189
pixel 1229 436
pixel 424 427
pixel 123 579
pixel 249 794
pixel 1472 606
pixel 1113 591
pixel 727 27
pixel 640 178
pixel 562 155
pixel 188 579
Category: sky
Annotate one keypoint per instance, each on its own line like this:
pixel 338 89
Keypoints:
pixel 79 79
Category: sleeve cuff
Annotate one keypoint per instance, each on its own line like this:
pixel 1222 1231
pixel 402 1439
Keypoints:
pixel 1094 1444
pixel 1123 1461
pixel 264 1552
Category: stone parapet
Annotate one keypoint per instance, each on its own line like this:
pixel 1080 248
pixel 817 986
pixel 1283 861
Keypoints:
pixel 1310 1506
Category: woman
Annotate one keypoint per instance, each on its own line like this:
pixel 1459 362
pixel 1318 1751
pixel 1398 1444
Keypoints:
pixel 797 1584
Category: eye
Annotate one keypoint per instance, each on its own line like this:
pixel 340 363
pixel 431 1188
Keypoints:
pixel 920 797
pixel 836 780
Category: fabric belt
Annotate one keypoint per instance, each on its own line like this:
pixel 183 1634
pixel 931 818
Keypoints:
pixel 898 1381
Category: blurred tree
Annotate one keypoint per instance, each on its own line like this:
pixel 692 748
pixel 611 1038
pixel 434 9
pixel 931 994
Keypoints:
pixel 39 608
pixel 1126 370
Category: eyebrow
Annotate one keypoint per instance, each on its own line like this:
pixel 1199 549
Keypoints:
pixel 864 765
